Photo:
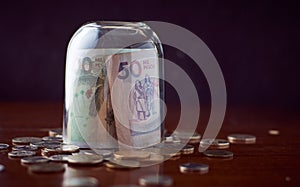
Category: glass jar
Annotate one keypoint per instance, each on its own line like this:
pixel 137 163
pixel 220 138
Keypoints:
pixel 114 86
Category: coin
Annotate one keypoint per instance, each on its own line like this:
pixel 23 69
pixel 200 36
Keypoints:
pixel 69 148
pixel 55 132
pixel 85 159
pixel 19 154
pixel 218 153
pixel 102 152
pixel 46 144
pixel 34 160
pixel 168 138
pixel 241 139
pixel 59 158
pixel 160 180
pixel 214 143
pixel 52 138
pixel 46 168
pixel 166 151
pixel 3 146
pixel 80 182
pixel 24 148
pixel 188 149
pixel 1 167
pixel 122 164
pixel 193 168
pixel 191 137
pixel 131 154
pixel 62 149
pixel 274 132
pixel 124 185
pixel 25 140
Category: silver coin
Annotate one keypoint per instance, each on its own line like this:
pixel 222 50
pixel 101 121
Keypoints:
pixel 191 137
pixel 214 143
pixel 154 157
pixel 59 158
pixel 122 164
pixel 187 149
pixel 52 138
pixel 124 185
pixel 160 180
pixel 19 154
pixel 25 140
pixel 218 153
pixel 24 148
pixel 193 168
pixel 131 154
pixel 46 144
pixel 69 148
pixel 168 138
pixel 3 146
pixel 2 168
pixel 102 152
pixel 80 182
pixel 85 159
pixel 47 168
pixel 241 139
pixel 55 132
pixel 274 132
pixel 62 149
pixel 176 140
pixel 34 160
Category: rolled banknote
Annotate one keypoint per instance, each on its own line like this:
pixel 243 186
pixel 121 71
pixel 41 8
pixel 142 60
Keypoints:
pixel 113 98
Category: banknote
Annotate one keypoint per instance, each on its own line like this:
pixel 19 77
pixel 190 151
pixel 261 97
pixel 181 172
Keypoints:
pixel 113 99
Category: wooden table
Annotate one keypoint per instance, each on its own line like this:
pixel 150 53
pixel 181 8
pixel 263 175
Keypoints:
pixel 272 161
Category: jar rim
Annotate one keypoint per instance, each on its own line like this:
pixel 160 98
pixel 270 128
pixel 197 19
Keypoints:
pixel 117 24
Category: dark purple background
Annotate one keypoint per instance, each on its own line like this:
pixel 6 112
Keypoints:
pixel 255 43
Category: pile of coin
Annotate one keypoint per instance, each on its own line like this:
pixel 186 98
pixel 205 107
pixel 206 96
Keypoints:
pixel 48 155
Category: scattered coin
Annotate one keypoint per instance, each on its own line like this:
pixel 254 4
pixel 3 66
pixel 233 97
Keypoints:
pixel 85 159
pixel 25 140
pixel 176 140
pixel 46 168
pixel 165 151
pixel 62 149
pixel 214 143
pixel 3 146
pixel 52 138
pixel 124 185
pixel 188 149
pixel 122 164
pixel 287 179
pixel 160 180
pixel 131 154
pixel 168 137
pixel 80 182
pixel 55 132
pixel 218 153
pixel 46 144
pixel 59 158
pixel 191 137
pixel 193 168
pixel 241 139
pixel 19 154
pixel 274 132
pixel 24 148
pixel 34 160
pixel 1 167
pixel 102 152
pixel 69 148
